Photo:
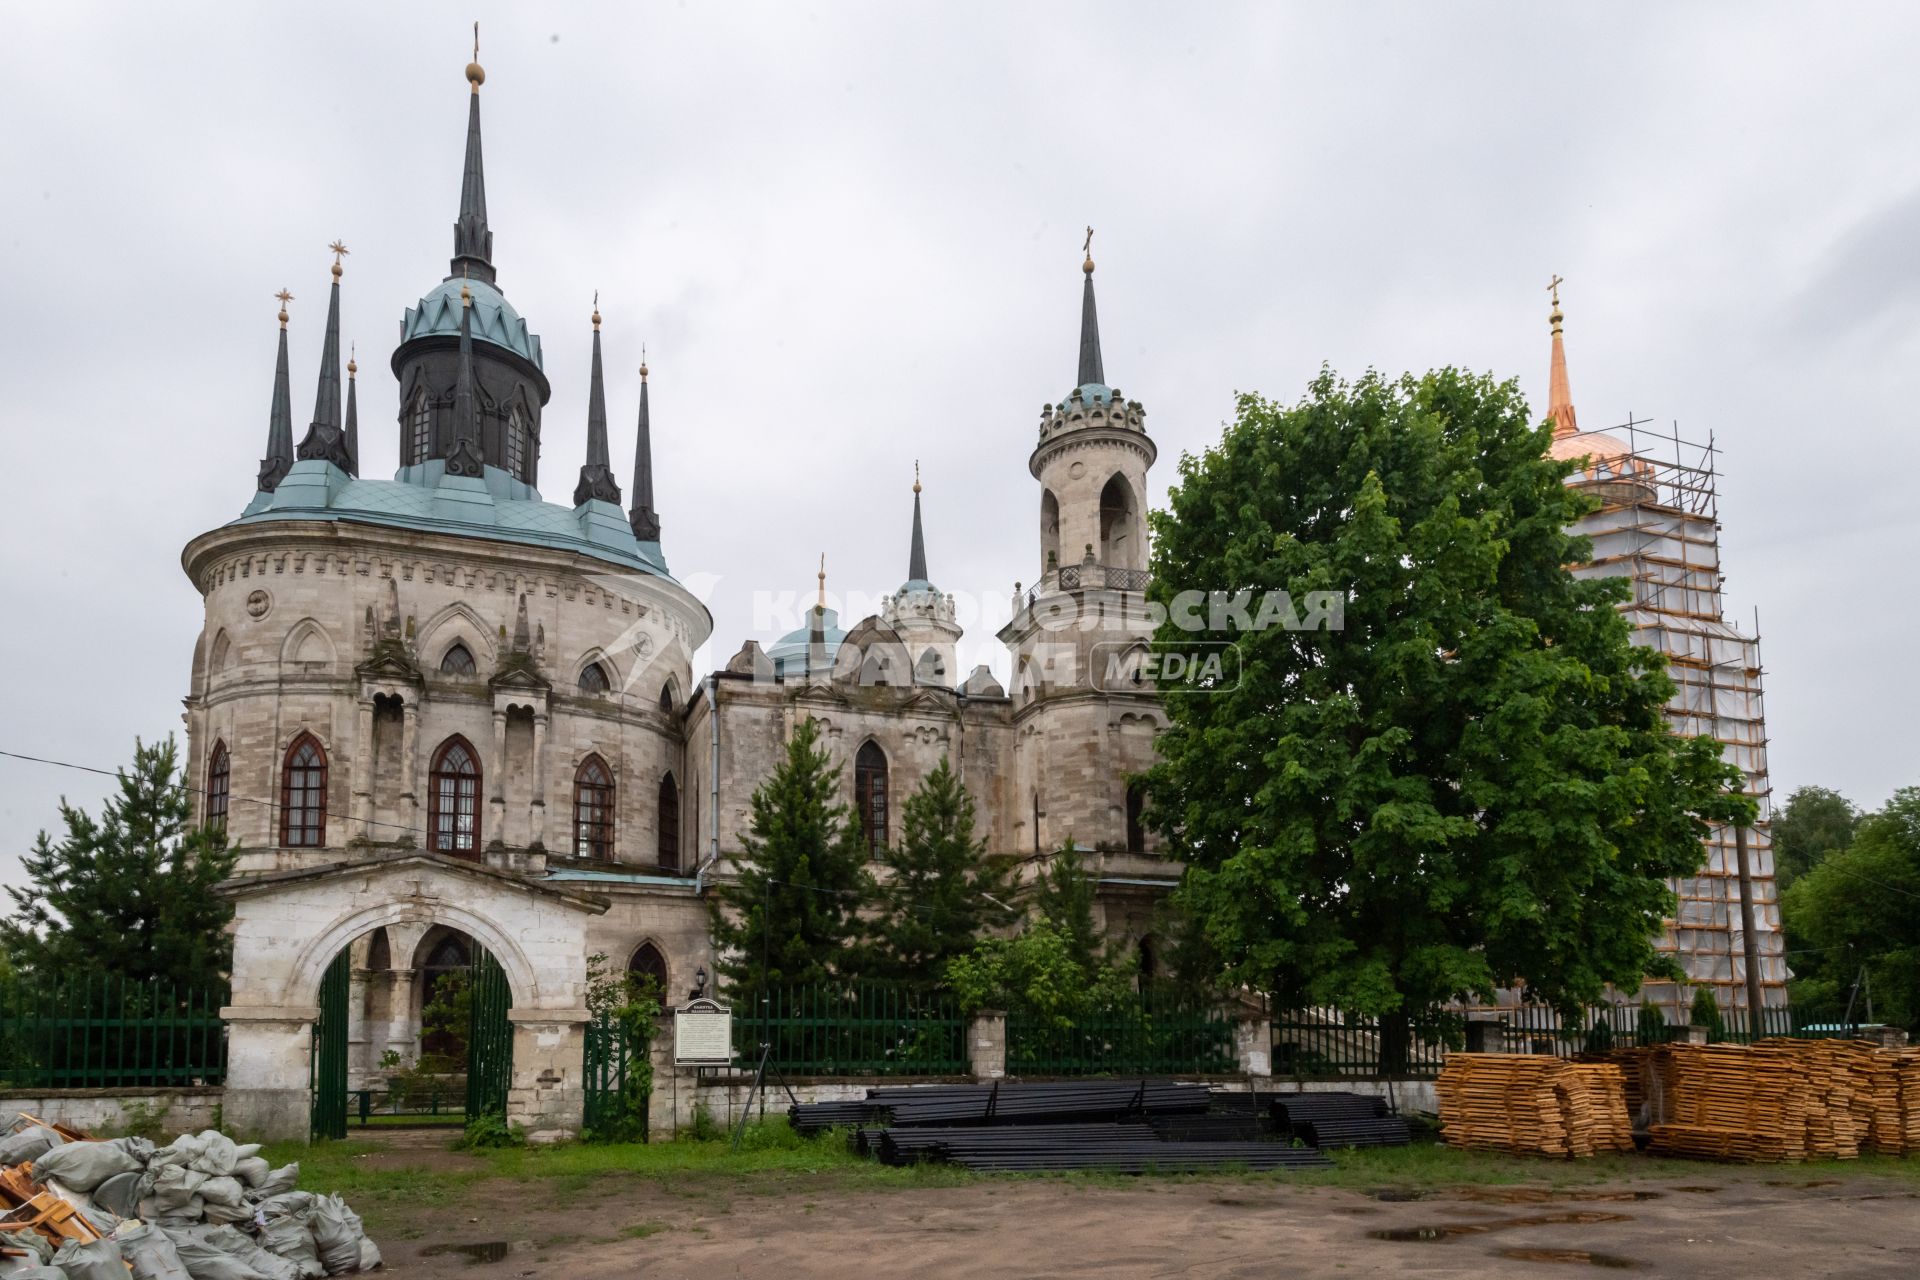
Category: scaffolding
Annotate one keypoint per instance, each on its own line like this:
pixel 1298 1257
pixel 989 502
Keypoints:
pixel 1658 527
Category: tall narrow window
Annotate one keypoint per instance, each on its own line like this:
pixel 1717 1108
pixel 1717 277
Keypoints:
pixel 668 854
pixel 517 444
pixel 870 795
pixel 1136 808
pixel 458 661
pixel 219 782
pixel 419 428
pixel 303 794
pixel 453 800
pixel 593 679
pixel 593 810
pixel 648 966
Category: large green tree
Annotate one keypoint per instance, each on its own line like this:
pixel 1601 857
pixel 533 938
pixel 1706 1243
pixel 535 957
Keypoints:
pixel 1813 823
pixel 1854 919
pixel 792 913
pixel 1063 894
pixel 1472 782
pixel 942 893
pixel 129 894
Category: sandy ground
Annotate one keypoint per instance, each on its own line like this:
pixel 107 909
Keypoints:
pixel 1753 1224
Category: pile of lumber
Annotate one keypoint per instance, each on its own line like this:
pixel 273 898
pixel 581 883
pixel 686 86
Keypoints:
pixel 1533 1104
pixel 1782 1100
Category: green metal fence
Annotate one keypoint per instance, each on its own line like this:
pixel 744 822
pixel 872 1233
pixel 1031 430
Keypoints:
pixel 420 1102
pixel 1158 1034
pixel 608 1057
pixel 1326 1044
pixel 106 1032
pixel 851 1028
pixel 1538 1029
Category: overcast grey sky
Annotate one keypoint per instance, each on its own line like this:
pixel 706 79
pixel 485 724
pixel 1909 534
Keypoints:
pixel 849 235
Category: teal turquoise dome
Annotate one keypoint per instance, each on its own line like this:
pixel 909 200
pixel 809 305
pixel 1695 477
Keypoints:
pixel 789 652
pixel 494 319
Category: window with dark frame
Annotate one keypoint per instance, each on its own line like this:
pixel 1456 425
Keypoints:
pixel 458 661
pixel 303 794
pixel 593 679
pixel 453 800
pixel 1136 808
pixel 219 784
pixel 420 427
pixel 516 444
pixel 668 853
pixel 593 810
pixel 650 967
pixel 870 795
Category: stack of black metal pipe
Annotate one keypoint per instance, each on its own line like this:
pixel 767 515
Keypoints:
pixel 1339 1120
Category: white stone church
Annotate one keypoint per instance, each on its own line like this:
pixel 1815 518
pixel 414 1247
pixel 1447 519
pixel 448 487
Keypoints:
pixel 440 713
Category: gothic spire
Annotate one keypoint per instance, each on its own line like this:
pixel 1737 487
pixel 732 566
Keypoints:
pixel 472 241
pixel 1559 397
pixel 1090 370
pixel 353 418
pixel 325 439
pixel 644 519
pixel 279 459
pixel 596 474
pixel 465 458
pixel 917 556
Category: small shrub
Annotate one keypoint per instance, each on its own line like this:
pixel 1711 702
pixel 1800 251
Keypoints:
pixel 705 1127
pixel 140 1120
pixel 491 1130
pixel 1706 1013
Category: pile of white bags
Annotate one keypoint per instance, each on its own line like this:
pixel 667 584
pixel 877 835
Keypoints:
pixel 201 1208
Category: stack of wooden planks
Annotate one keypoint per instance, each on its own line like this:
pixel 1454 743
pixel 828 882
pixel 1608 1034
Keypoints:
pixel 1533 1104
pixel 1782 1100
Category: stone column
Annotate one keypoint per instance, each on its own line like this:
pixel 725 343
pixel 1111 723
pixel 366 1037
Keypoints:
pixel 269 1093
pixel 363 771
pixel 410 769
pixel 537 838
pixel 399 1034
pixel 1253 1045
pixel 362 1035
pixel 547 1097
pixel 497 776
pixel 987 1044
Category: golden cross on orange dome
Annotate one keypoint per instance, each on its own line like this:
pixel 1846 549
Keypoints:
pixel 1553 287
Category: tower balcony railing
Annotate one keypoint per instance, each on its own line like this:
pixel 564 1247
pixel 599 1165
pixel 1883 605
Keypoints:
pixel 1089 576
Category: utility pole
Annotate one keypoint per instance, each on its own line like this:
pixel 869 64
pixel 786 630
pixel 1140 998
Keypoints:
pixel 1750 940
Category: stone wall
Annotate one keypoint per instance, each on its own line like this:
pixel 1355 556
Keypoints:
pixel 109 1112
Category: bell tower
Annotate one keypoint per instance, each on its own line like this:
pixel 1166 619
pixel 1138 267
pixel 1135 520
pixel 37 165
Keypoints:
pixel 1091 461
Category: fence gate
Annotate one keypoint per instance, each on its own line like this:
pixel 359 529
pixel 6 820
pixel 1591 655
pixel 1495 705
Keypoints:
pixel 327 1065
pixel 489 1038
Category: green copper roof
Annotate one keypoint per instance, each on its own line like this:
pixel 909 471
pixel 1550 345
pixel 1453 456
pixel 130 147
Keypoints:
pixel 789 652
pixel 425 497
pixel 494 319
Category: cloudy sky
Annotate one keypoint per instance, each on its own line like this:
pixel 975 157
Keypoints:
pixel 850 235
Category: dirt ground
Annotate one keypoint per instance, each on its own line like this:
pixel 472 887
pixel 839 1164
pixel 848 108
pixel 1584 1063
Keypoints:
pixel 1746 1223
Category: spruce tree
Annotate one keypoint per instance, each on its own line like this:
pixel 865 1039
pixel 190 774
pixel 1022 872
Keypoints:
pixel 1063 894
pixel 129 895
pixel 943 893
pixel 792 912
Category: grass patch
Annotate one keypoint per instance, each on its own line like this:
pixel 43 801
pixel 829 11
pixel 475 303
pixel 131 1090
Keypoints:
pixel 641 1230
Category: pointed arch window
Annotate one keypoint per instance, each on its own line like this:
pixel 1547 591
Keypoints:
pixel 870 795
pixel 668 852
pixel 649 966
pixel 517 443
pixel 453 800
pixel 593 810
pixel 303 794
pixel 219 785
pixel 593 679
pixel 1136 811
pixel 666 697
pixel 420 428
pixel 458 661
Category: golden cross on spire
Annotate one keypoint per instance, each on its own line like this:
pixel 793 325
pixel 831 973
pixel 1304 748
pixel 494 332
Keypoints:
pixel 916 475
pixel 1553 287
pixel 643 362
pixel 476 40
pixel 596 308
pixel 1087 248
pixel 285 298
pixel 823 582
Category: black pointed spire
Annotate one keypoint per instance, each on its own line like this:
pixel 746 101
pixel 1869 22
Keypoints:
pixel 644 519
pixel 596 474
pixel 464 458
pixel 325 439
pixel 353 418
pixel 279 459
pixel 472 241
pixel 917 556
pixel 1090 370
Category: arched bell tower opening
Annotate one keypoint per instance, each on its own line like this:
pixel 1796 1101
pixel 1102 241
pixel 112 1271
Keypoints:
pixel 1120 541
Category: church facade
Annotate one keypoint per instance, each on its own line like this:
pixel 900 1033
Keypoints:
pixel 440 714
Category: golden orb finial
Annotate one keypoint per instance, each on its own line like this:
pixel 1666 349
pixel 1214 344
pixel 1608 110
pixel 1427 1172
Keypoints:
pixel 1087 249
pixel 596 310
pixel 1553 287
pixel 476 74
pixel 352 349
pixel 916 475
pixel 285 298
pixel 823 582
pixel 643 362
pixel 338 251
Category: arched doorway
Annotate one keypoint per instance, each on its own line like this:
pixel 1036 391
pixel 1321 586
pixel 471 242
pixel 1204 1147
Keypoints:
pixel 453 1015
